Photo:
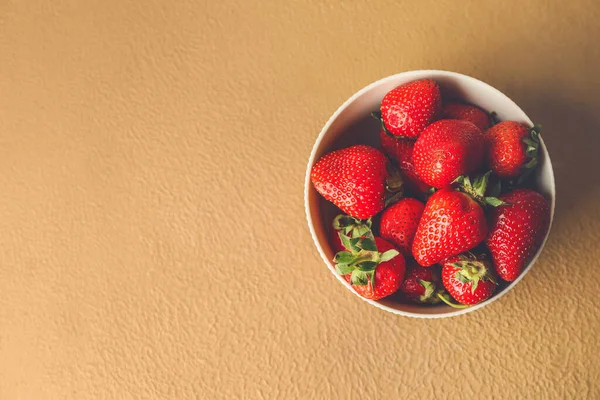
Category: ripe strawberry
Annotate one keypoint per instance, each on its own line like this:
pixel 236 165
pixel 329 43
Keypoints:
pixel 349 226
pixel 466 112
pixel 409 108
pixel 447 149
pixel 452 223
pixel 512 149
pixel 517 230
pixel 399 223
pixel 400 151
pixel 358 179
pixel 421 284
pixel 469 279
pixel 371 265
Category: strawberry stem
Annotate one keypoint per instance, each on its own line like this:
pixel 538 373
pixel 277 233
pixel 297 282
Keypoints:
pixel 444 298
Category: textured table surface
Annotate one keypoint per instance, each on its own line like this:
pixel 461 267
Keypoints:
pixel 153 241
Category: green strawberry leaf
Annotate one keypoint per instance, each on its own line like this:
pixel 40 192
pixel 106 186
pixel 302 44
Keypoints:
pixel 367 266
pixel 429 288
pixel 425 284
pixel 480 184
pixel 359 278
pixel 533 144
pixel 346 241
pixel 361 230
pixel 388 255
pixel 475 284
pixel 367 244
pixel 494 201
pixel 343 257
pixel 353 245
pixel 373 280
pixel 343 269
pixel 467 181
pixel 343 221
pixel 461 277
pixel 530 142
pixel 459 179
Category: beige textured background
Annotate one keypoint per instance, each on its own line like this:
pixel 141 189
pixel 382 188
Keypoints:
pixel 153 241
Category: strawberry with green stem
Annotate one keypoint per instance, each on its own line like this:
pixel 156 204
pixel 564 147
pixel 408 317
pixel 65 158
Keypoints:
pixel 512 150
pixel 360 180
pixel 468 278
pixel 422 285
pixel 373 267
pixel 517 229
pixel 453 221
pixel 447 149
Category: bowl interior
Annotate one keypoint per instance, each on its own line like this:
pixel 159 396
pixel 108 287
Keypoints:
pixel 352 124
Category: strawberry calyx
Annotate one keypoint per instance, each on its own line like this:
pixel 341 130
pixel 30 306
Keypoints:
pixel 473 269
pixel 350 226
pixel 361 258
pixel 477 189
pixel 533 144
pixel 377 116
pixel 431 292
pixel 469 269
pixel 394 185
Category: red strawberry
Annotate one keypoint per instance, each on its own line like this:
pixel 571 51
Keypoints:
pixel 466 112
pixel 421 284
pixel 371 265
pixel 517 230
pixel 511 149
pixel 399 223
pixel 400 150
pixel 447 149
pixel 348 226
pixel 355 179
pixel 409 108
pixel 468 279
pixel 452 223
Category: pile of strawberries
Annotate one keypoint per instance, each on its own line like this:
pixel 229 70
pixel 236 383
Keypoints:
pixel 451 194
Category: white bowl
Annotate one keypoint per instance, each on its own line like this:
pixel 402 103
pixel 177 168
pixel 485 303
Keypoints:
pixel 351 124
